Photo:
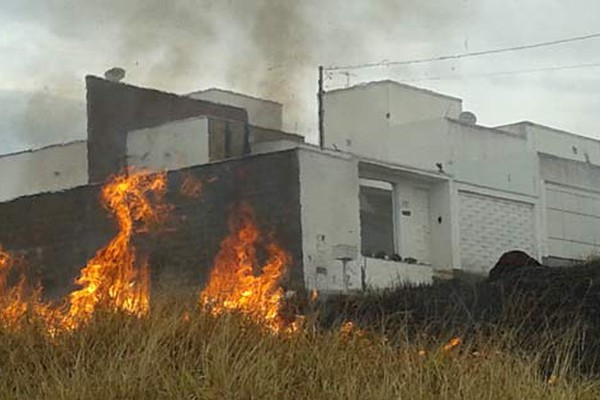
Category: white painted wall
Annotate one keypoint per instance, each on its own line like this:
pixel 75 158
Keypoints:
pixel 49 169
pixel 492 158
pixel 442 220
pixel 329 190
pixel 171 146
pixel 261 112
pixel 559 143
pixel 359 120
pixel 381 274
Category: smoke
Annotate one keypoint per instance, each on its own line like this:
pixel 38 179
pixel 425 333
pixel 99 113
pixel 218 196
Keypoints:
pixel 268 48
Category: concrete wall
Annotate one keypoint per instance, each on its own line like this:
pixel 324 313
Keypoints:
pixel 358 119
pixel 491 158
pixel 442 219
pixel 174 145
pixel 114 109
pixel 57 233
pixel 565 172
pixel 261 112
pixel 559 143
pixel 420 144
pixel 49 169
pixel 381 274
pixel 329 190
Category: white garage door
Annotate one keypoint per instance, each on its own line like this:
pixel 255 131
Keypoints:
pixel 490 226
pixel 573 222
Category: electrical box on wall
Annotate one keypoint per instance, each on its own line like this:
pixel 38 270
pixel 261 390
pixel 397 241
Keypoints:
pixel 344 252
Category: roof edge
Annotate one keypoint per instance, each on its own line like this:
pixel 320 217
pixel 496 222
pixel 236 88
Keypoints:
pixel 45 147
pixel 400 84
pixel 234 93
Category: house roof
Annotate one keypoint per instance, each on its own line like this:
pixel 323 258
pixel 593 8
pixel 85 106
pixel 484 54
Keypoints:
pixel 395 83
pixel 247 96
pixel 50 146
pixel 530 123
pixel 494 129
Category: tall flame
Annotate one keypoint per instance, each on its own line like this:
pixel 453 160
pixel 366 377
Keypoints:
pixel 238 283
pixel 115 279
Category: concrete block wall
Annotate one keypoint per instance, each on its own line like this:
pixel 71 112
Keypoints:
pixel 56 233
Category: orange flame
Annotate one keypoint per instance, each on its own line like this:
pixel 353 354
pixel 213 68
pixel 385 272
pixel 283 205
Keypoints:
pixel 115 279
pixel 20 301
pixel 452 343
pixel 238 283
pixel 13 306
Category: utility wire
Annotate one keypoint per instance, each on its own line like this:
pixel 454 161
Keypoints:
pixel 504 73
pixel 463 55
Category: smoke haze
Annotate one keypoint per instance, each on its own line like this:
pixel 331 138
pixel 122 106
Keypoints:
pixel 267 48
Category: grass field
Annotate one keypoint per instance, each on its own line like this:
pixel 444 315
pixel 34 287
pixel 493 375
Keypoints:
pixel 177 353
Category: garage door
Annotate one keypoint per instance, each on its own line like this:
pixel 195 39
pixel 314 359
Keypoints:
pixel 572 222
pixel 490 226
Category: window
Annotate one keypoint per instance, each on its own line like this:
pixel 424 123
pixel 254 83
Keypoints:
pixel 376 218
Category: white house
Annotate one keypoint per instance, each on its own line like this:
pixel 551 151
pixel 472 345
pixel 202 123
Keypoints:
pixel 438 192
pixel 438 188
pixel 405 186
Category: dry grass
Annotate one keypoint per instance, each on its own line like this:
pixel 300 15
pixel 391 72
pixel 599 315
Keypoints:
pixel 167 356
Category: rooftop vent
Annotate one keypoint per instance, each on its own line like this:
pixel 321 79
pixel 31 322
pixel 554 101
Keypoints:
pixel 467 117
pixel 115 74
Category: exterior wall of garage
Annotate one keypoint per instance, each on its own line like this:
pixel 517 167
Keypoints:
pixel 571 206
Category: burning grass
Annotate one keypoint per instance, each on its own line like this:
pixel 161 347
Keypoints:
pixel 164 355
pixel 238 282
pixel 115 278
pixel 438 342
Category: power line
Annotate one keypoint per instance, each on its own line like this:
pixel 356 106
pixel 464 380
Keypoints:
pixel 506 73
pixel 463 55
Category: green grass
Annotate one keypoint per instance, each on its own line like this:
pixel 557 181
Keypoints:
pixel 165 356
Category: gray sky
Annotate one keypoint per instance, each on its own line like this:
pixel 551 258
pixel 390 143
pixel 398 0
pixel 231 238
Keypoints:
pixel 271 48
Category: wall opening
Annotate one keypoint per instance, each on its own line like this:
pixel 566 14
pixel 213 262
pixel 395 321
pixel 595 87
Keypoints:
pixel 377 218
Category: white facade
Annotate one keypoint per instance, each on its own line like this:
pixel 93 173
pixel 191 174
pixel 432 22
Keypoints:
pixel 403 190
pixel 170 146
pixel 330 221
pixel 331 241
pixel 49 169
pixel 463 194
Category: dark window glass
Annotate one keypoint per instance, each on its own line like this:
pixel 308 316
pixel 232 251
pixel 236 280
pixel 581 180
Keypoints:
pixel 376 221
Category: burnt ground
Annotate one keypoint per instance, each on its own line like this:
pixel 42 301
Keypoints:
pixel 536 304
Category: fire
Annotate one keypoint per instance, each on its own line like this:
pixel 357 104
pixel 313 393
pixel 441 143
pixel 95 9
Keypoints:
pixel 239 283
pixel 13 306
pixel 19 301
pixel 115 278
pixel 452 343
